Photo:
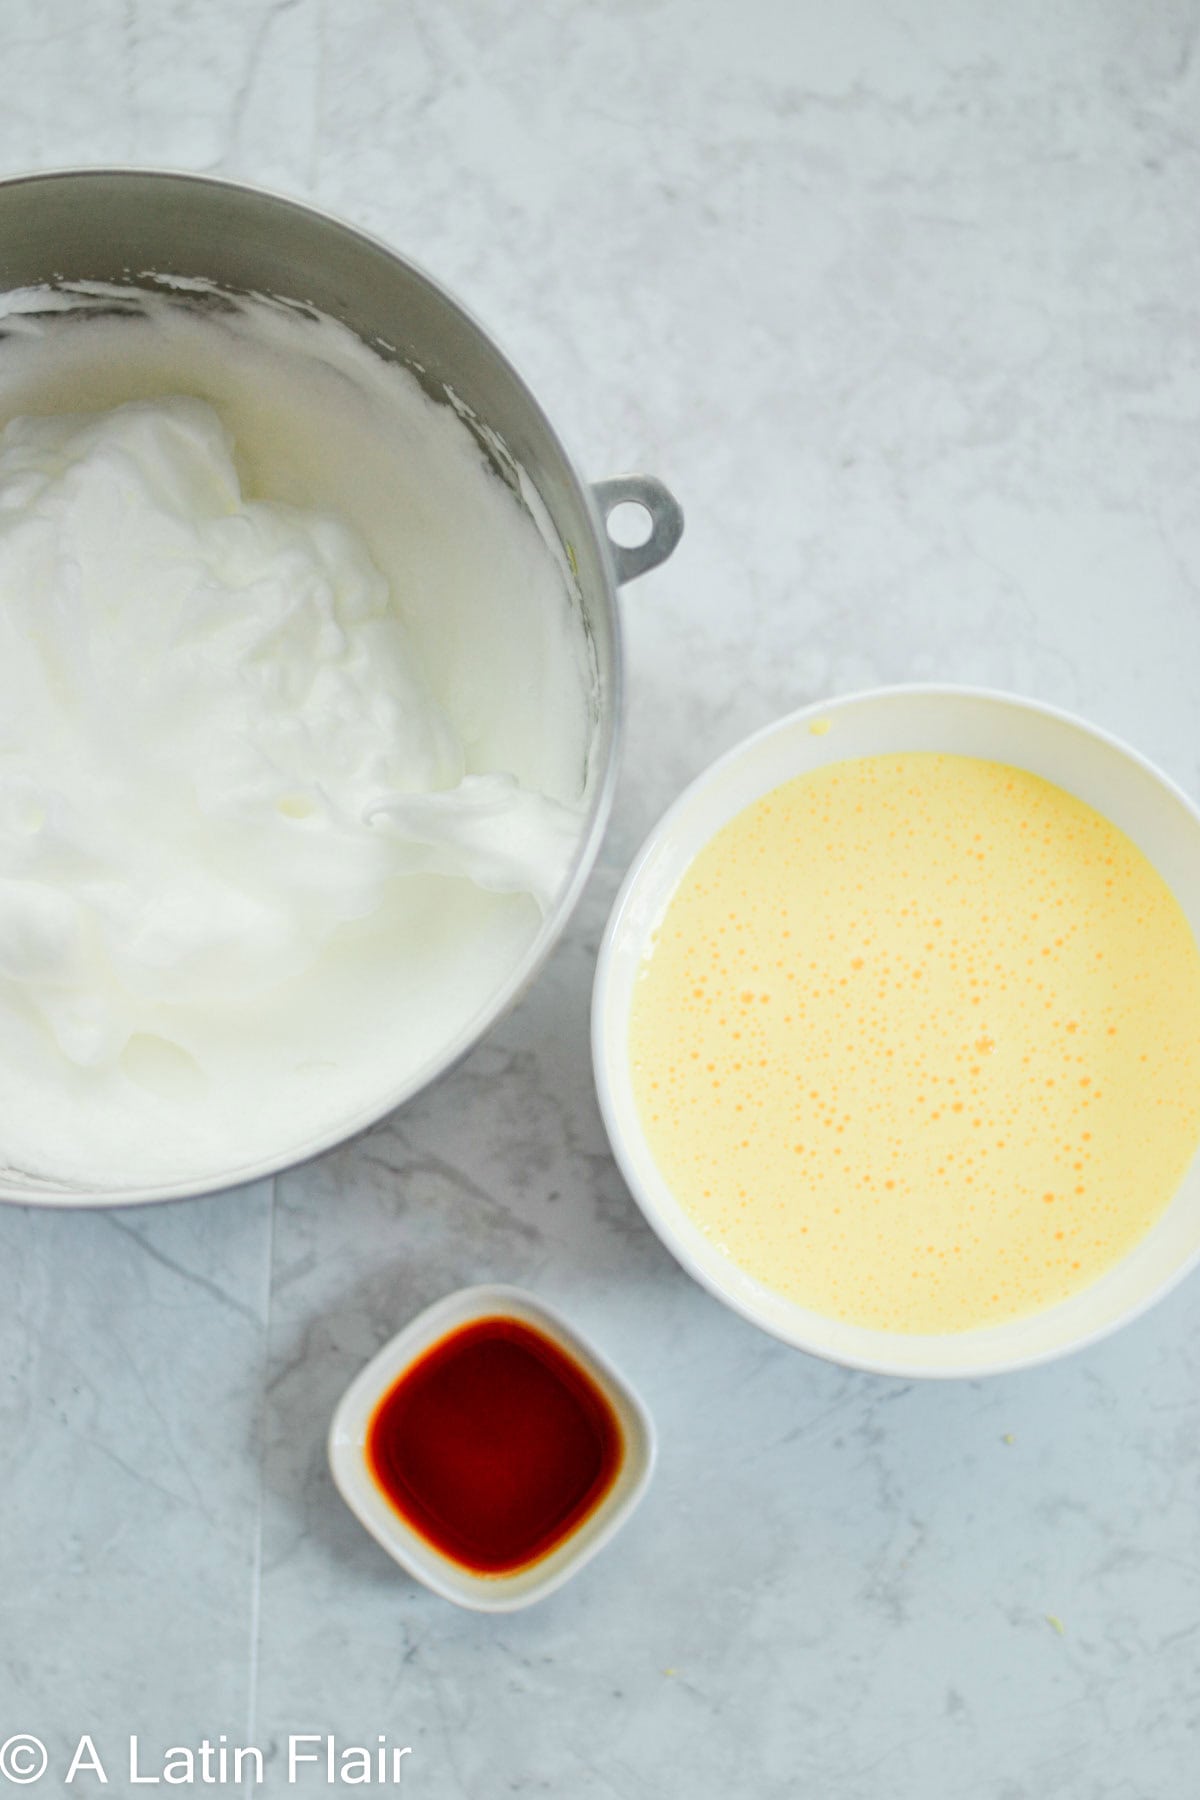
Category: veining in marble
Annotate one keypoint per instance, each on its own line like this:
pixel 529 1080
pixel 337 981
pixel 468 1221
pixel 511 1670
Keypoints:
pixel 901 300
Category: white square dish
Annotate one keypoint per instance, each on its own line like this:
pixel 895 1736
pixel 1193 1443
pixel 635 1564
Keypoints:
pixel 358 1485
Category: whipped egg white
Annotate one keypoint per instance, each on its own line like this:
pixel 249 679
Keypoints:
pixel 295 709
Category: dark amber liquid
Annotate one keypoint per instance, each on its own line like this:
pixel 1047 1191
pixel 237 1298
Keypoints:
pixel 495 1445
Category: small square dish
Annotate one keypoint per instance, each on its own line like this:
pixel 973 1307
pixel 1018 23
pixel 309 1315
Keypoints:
pixel 490 1450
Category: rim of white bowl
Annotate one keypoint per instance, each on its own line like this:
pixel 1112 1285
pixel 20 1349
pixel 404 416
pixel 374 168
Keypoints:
pixel 804 1329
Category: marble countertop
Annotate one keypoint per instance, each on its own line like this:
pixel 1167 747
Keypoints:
pixel 901 300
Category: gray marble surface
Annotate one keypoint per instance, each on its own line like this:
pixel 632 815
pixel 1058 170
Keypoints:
pixel 901 298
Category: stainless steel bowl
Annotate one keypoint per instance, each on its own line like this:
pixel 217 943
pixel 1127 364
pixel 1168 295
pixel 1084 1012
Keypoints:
pixel 130 225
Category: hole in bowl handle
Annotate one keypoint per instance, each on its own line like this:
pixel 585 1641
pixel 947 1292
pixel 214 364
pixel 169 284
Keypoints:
pixel 666 522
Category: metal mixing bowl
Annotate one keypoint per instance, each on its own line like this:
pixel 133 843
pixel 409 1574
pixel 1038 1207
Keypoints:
pixel 129 225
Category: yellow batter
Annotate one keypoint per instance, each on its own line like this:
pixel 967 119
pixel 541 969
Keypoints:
pixel 917 1042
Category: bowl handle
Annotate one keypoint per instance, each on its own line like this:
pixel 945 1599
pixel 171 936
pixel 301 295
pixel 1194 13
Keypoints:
pixel 666 522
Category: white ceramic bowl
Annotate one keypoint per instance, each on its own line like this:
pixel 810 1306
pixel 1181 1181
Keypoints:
pixel 1104 773
pixel 360 1491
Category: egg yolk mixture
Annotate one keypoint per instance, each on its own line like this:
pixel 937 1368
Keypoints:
pixel 917 1042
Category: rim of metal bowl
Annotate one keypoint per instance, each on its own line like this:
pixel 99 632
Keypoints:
pixel 607 746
